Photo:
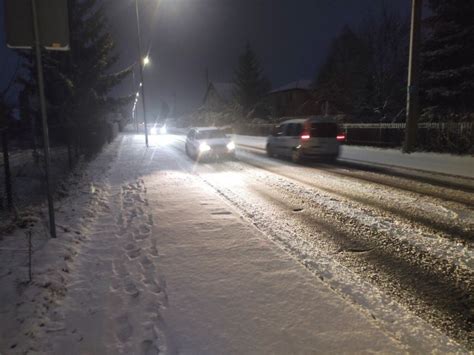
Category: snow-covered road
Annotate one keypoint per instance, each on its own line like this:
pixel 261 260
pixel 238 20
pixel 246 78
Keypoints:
pixel 249 256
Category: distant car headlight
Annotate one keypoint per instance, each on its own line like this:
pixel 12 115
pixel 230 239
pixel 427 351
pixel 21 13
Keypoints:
pixel 204 147
pixel 163 130
pixel 153 130
pixel 231 146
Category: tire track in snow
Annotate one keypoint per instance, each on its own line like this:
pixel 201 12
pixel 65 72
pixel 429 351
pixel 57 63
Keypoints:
pixel 450 229
pixel 307 250
pixel 426 285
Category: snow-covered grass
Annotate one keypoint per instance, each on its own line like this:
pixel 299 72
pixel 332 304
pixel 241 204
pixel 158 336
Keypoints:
pixel 25 305
pixel 430 162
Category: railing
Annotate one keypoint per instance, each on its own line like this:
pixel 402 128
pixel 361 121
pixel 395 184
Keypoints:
pixel 455 137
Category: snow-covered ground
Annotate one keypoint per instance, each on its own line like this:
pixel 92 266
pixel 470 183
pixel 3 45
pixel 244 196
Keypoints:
pixel 430 162
pixel 158 254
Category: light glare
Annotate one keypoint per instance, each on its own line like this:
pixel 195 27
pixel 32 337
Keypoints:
pixel 204 147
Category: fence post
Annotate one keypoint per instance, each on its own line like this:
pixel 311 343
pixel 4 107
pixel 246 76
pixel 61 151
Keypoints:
pixel 30 251
pixel 6 165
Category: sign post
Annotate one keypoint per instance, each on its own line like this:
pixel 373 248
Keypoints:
pixel 33 24
pixel 44 119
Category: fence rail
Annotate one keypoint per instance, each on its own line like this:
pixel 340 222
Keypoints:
pixel 453 137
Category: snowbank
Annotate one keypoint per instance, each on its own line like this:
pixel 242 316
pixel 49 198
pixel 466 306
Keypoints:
pixel 430 162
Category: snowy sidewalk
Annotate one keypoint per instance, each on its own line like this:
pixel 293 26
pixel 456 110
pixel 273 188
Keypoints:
pixel 96 288
pixel 428 162
pixel 230 289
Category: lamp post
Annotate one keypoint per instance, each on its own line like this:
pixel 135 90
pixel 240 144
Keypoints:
pixel 141 63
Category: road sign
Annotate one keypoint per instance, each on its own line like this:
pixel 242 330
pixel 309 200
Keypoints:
pixel 52 21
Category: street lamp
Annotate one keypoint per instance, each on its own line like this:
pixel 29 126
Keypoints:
pixel 142 63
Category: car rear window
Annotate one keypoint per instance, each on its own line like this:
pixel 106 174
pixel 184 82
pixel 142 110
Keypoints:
pixel 324 129
pixel 209 134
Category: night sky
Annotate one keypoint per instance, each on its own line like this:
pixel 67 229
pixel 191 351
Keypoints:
pixel 184 37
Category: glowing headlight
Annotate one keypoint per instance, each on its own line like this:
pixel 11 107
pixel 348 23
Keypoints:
pixel 163 130
pixel 231 146
pixel 153 130
pixel 204 147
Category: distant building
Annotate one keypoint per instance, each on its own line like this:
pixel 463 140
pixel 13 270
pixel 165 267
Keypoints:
pixel 287 99
pixel 218 96
pixel 297 98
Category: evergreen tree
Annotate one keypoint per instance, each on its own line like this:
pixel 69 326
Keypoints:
pixel 78 82
pixel 343 76
pixel 249 80
pixel 448 58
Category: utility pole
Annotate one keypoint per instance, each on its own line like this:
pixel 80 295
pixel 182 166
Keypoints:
pixel 47 158
pixel 413 99
pixel 135 118
pixel 140 62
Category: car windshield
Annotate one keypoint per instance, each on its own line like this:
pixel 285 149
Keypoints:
pixel 209 134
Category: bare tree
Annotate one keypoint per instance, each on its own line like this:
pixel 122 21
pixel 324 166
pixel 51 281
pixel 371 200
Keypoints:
pixel 386 38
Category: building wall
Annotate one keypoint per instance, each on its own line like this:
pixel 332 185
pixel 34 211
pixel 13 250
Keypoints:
pixel 287 103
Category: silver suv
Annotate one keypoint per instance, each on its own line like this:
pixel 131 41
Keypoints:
pixel 315 137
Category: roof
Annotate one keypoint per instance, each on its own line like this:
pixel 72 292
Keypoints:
pixel 320 119
pixel 303 84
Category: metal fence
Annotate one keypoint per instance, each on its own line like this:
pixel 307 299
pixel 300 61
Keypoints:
pixel 454 137
pixel 22 174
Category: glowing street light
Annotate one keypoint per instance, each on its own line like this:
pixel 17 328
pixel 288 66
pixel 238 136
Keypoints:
pixel 146 61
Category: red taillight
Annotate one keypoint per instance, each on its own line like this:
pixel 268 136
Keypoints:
pixel 305 135
pixel 341 137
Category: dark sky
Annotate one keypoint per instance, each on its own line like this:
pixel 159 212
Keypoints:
pixel 184 37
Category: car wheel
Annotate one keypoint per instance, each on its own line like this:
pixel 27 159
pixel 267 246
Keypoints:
pixel 296 156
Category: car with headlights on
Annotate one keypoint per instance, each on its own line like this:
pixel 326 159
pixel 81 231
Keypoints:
pixel 209 142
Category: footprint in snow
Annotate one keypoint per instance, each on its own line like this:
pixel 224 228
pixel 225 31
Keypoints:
pixel 140 237
pixel 131 289
pixel 148 348
pixel 144 228
pixel 133 254
pixel 146 263
pixel 125 329
pixel 129 246
pixel 154 251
